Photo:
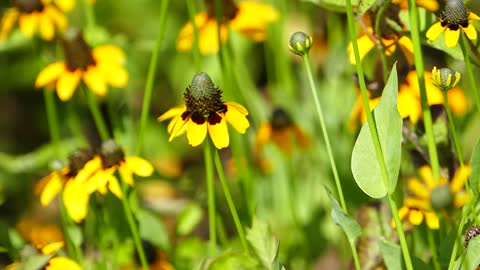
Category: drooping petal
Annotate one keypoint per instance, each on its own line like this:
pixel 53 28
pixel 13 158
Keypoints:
pixel 114 75
pixel 175 111
pixel 47 29
pixel 65 5
pixel 52 248
pixel 434 31
pixel 432 220
pixel 62 263
pixel 451 37
pixel 139 166
pixel 460 199
pixel 406 45
pixel 185 37
pixel 75 199
pixel 7 22
pixel 95 81
pixel 413 202
pixel 418 188
pixel 196 133
pixel 52 188
pixel 252 19
pixel 415 217
pixel 426 175
pixel 28 23
pixel 57 17
pixel 49 74
pixel 219 134
pixel 473 16
pixel 91 167
pixel 237 118
pixel 470 32
pixel 109 54
pixel 178 127
pixel 126 174
pixel 114 187
pixel 67 83
pixel 365 45
pixel 461 176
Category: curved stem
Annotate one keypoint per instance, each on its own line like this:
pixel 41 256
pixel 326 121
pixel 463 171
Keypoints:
pixel 152 69
pixel 207 155
pixel 231 204
pixel 471 76
pixel 97 115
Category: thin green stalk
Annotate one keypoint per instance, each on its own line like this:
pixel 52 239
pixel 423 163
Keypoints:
pixel 378 34
pixel 195 48
pixel 433 248
pixel 420 68
pixel 207 156
pixel 231 204
pixel 74 123
pixel 459 235
pixel 375 138
pixel 306 61
pixel 97 115
pixel 471 76
pixel 453 130
pixel 89 14
pixel 152 70
pixel 133 227
pixel 52 120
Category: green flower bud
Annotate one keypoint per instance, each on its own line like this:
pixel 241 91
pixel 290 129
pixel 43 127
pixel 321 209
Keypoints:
pixel 444 78
pixel 300 43
pixel 441 197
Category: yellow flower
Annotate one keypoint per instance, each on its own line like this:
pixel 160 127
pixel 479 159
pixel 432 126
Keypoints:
pixel 98 68
pixel 111 160
pixel 75 193
pixel 409 100
pixel 429 195
pixel 205 111
pixel 455 17
pixel 46 237
pixel 249 18
pixel 282 131
pixel 62 263
pixel 430 5
pixel 44 16
pixel 366 43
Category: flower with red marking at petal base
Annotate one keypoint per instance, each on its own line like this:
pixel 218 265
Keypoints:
pixel 44 16
pixel 205 111
pixel 455 17
pixel 98 68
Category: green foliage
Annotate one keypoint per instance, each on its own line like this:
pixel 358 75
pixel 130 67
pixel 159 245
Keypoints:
pixel 348 224
pixel 234 261
pixel 263 242
pixel 469 260
pixel 475 165
pixel 365 165
pixel 392 255
pixel 152 229
pixel 34 262
pixel 341 5
pixel 189 218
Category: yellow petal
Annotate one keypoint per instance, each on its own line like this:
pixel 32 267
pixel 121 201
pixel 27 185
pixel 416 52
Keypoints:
pixel 67 83
pixel 432 220
pixel 52 248
pixel 470 32
pixel 208 37
pixel 263 136
pixel 185 37
pixel 460 199
pixel 406 45
pixel 114 187
pixel 62 263
pixel 57 17
pixel 65 5
pixel 415 217
pixel 91 167
pixel 409 105
pixel 451 37
pixel 426 175
pixel 461 176
pixel 177 128
pixel 28 23
pixel 458 101
pixel 196 133
pixel 418 188
pixel 416 203
pixel 175 111
pixel 95 81
pixel 115 75
pixel 49 74
pixel 75 199
pixel 434 31
pixel 109 54
pixel 252 18
pixel 126 174
pixel 219 134
pixel 52 188
pixel 47 29
pixel 430 5
pixel 237 117
pixel 139 166
pixel 7 22
pixel 365 45
pixel 473 16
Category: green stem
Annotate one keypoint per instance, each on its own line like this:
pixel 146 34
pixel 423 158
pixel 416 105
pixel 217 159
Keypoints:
pixel 471 76
pixel 152 69
pixel 306 61
pixel 375 138
pixel 451 123
pixel 433 249
pixel 420 68
pixel 459 235
pixel 195 48
pixel 74 123
pixel 378 34
pixel 52 120
pixel 231 204
pixel 97 115
pixel 207 155
pixel 133 227
pixel 89 14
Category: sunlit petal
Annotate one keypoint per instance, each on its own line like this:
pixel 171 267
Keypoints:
pixel 109 54
pixel 28 23
pixel 126 175
pixel 219 134
pixel 175 111
pixel 62 263
pixel 432 220
pixel 75 199
pixel 67 83
pixel 415 217
pixel 65 5
pixel 418 188
pixel 473 16
pixel 196 133
pixel 49 74
pixel 451 37
pixel 365 45
pixel 7 22
pixel 461 176
pixel 57 17
pixel 95 81
pixel 52 188
pixel 114 187
pixel 47 29
pixel 237 118
pixel 139 166
pixel 434 31
pixel 470 32
pixel 52 248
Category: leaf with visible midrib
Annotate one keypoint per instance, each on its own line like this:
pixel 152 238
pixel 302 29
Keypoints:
pixel 365 165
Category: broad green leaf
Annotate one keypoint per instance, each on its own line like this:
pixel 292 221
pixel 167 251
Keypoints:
pixel 475 164
pixel 263 242
pixel 189 219
pixel 470 260
pixel 361 6
pixel 392 256
pixel 152 229
pixel 234 261
pixel 34 262
pixel 365 166
pixel 348 224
